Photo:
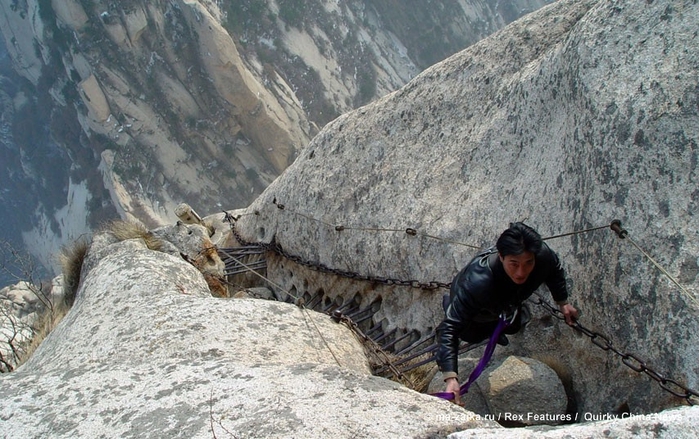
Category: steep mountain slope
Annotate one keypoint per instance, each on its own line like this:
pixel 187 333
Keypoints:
pixel 129 108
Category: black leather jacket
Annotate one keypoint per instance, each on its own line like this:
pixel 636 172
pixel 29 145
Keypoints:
pixel 482 290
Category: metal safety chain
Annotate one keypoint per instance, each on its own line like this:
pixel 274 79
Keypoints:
pixel 598 339
pixel 371 346
pixel 317 266
pixel 630 360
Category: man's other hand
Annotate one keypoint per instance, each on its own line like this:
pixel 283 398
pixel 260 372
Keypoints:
pixel 570 313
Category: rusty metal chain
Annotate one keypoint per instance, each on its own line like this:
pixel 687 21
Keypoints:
pixel 600 340
pixel 630 360
pixel 317 266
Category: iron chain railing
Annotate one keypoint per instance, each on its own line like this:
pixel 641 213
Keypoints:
pixel 603 342
pixel 317 266
pixel 630 360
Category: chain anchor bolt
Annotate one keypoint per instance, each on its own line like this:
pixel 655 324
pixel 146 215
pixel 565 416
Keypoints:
pixel 336 316
pixel 616 227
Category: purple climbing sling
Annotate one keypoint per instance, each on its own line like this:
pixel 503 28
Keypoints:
pixel 503 322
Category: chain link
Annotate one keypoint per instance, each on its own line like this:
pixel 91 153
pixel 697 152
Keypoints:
pixel 630 360
pixel 317 266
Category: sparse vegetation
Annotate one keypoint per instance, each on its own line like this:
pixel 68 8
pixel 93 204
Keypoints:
pixel 367 87
pixel 71 259
pixel 292 12
pixel 18 329
pixel 253 25
pixel 43 325
pixel 19 337
pixel 243 15
pixel 22 335
pixel 124 230
pixel 19 6
pixel 427 44
pixel 252 175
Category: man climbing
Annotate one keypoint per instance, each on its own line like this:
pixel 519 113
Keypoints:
pixel 495 283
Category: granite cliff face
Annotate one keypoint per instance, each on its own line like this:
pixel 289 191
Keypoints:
pixel 125 109
pixel 567 119
pixel 580 114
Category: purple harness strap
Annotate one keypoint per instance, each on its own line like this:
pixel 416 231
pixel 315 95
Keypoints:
pixel 483 363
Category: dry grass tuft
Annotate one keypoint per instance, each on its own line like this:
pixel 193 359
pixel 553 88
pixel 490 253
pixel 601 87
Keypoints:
pixel 124 230
pixel 417 379
pixel 45 322
pixel 71 259
pixel 421 376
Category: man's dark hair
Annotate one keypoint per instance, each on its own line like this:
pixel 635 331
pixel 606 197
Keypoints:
pixel 517 239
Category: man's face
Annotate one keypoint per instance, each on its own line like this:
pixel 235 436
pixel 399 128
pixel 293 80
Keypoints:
pixel 518 267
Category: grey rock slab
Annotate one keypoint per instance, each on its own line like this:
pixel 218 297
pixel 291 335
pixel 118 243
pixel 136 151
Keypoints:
pixel 146 351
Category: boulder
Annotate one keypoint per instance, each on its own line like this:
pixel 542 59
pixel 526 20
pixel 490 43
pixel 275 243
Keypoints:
pixel 135 22
pixel 22 298
pixel 24 307
pixel 19 305
pixel 94 99
pixel 514 391
pixel 71 13
pixel 525 390
pixel 194 243
pixel 255 293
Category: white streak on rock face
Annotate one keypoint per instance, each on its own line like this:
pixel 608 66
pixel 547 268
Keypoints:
pixel 71 220
pixel 19 31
